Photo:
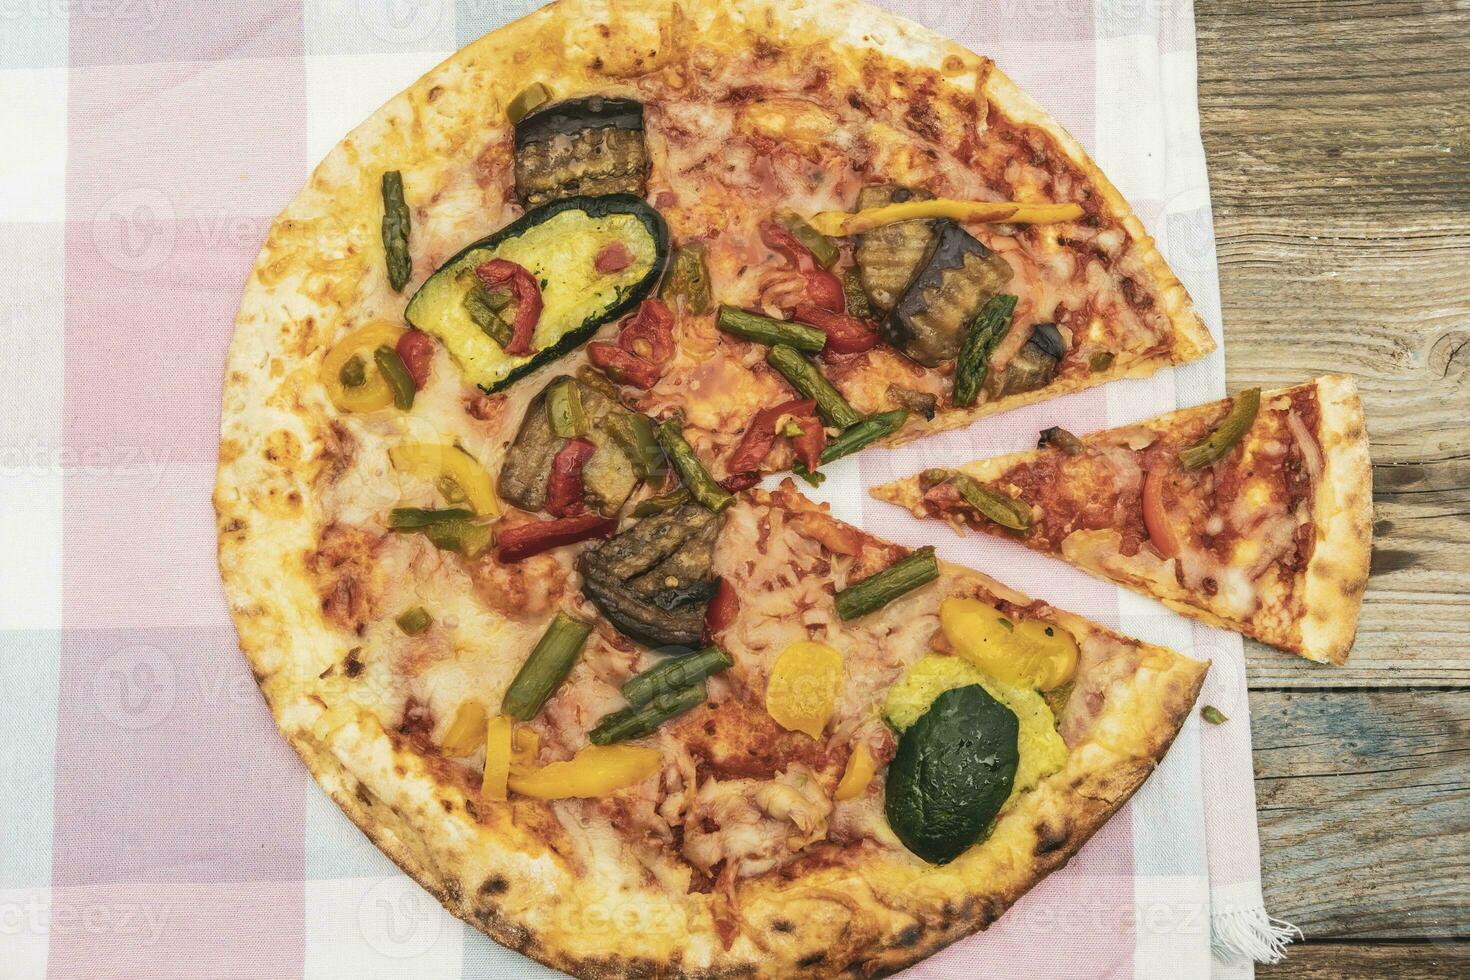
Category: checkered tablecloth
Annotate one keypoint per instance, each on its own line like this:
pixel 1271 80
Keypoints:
pixel 152 822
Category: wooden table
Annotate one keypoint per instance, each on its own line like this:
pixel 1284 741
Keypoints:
pixel 1338 139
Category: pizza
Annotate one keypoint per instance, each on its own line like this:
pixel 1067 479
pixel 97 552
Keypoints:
pixel 504 378
pixel 1253 513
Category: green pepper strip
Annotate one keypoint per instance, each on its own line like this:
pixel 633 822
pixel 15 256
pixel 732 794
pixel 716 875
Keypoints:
pixel 395 231
pixel 451 529
pixel 821 247
pixel 479 303
pixel 564 410
pixel 644 720
pixel 985 332
pixel 531 98
pixel 805 378
pixel 414 621
pixel 353 373
pixel 878 590
pixel 1231 430
pixel 634 435
pixel 675 675
pixel 546 667
pixel 396 375
pixel 653 506
pixel 1001 508
pixel 857 299
pixel 687 279
pixel 765 330
pixel 701 485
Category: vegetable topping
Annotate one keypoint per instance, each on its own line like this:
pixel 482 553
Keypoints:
pixel 845 334
pixel 687 281
pixel 453 529
pixel 524 540
pixel 415 349
pixel 700 484
pixel 878 590
pixel 564 485
pixel 595 771
pixel 839 223
pixel 1231 430
pixel 805 378
pixel 588 146
pixel 546 667
pixel 1029 653
pixel 500 272
pixel 645 344
pixel 802 691
pixel 761 433
pixel 766 330
pixel 955 280
pixel 991 324
pixel 823 289
pixel 454 472
pixel 396 222
pixel 344 373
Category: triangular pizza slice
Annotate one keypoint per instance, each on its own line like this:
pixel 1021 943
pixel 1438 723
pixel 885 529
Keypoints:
pixel 1253 513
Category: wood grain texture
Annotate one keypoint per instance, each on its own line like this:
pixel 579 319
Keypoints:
pixel 1334 961
pixel 1364 803
pixel 1338 140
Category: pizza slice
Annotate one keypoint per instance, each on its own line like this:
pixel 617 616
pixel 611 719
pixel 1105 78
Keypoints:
pixel 1253 513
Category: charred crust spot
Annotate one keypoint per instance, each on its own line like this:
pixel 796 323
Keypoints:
pixel 472 809
pixel 781 925
pixel 811 959
pixel 1051 838
pixel 910 935
pixel 494 885
pixel 447 804
pixel 363 796
pixel 352 663
pixel 331 669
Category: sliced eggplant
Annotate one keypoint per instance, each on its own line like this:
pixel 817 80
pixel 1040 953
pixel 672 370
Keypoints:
pixel 608 477
pixel 653 581
pixel 558 244
pixel 956 279
pixel 1035 364
pixel 581 146
pixel 888 257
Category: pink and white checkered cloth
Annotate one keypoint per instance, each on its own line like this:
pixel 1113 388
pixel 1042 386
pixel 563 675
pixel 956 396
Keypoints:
pixel 152 823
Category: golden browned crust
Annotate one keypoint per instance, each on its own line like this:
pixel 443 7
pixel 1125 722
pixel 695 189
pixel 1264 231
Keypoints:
pixel 506 870
pixel 1338 571
pixel 1336 575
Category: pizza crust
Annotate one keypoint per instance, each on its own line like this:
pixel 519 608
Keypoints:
pixel 1337 574
pixel 280 447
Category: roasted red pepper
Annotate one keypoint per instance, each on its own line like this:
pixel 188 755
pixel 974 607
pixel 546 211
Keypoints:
pixel 760 435
pixel 524 540
pixel 810 442
pixel 645 344
pixel 415 349
pixel 736 482
pixel 722 609
pixel 501 272
pixel 845 334
pixel 564 486
pixel 1161 534
pixel 823 289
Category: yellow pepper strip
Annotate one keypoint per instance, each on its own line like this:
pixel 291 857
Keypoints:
pixel 434 461
pixel 524 745
pixel 839 223
pixel 375 392
pixel 497 758
pixel 1024 653
pixel 595 771
pixel 462 736
pixel 803 688
pixel 859 773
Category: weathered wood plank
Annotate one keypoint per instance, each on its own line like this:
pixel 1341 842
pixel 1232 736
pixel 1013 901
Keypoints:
pixel 1364 804
pixel 1334 961
pixel 1340 169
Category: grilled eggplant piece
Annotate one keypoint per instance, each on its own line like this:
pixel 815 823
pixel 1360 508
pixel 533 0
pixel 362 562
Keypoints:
pixel 888 257
pixel 653 580
pixel 581 146
pixel 608 478
pixel 1035 364
pixel 956 279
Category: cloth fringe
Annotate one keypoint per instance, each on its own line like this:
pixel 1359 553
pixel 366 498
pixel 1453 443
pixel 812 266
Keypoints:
pixel 1249 933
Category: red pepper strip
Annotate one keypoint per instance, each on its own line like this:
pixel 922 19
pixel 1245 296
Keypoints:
pixel 649 333
pixel 525 540
pixel 845 334
pixel 760 434
pixel 415 349
pixel 736 482
pixel 501 272
pixel 823 289
pixel 622 366
pixel 1161 535
pixel 810 443
pixel 722 609
pixel 564 486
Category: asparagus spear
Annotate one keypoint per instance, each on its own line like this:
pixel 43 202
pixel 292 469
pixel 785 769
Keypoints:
pixel 701 485
pixel 881 588
pixel 764 330
pixel 687 279
pixel 805 378
pixel 546 667
pixel 395 231
pixel 986 330
pixel 637 722
pixel 674 675
pixel 1001 508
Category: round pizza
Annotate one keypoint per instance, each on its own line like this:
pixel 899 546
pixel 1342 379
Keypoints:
pixel 505 377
